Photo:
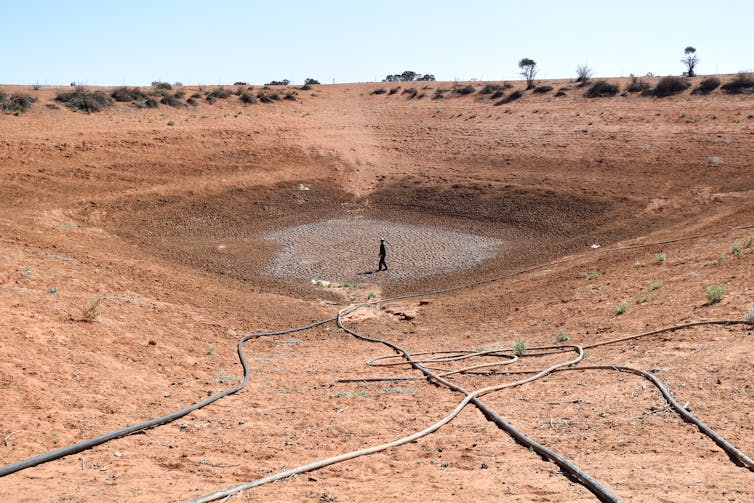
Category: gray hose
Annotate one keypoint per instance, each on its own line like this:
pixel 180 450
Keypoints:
pixel 88 444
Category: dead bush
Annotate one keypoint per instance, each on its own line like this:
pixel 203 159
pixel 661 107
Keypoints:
pixel 82 99
pixel 669 86
pixel 706 86
pixel 16 103
pixel 602 89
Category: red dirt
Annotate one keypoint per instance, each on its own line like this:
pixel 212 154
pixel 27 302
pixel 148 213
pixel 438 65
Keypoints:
pixel 165 224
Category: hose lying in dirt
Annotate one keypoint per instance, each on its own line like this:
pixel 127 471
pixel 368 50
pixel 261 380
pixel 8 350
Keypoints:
pixel 736 455
pixel 472 397
pixel 88 444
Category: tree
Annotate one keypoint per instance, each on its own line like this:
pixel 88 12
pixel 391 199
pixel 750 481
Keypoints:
pixel 691 60
pixel 528 71
pixel 311 82
pixel 409 76
pixel 583 73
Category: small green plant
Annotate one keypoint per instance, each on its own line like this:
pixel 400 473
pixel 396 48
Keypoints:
pixel 736 250
pixel 562 337
pixel 371 296
pixel 593 275
pixel 519 347
pixel 715 293
pixel 750 317
pixel 748 242
pixel 26 273
pixel 90 311
pixel 621 308
pixel 661 257
pixel 642 298
pixel 210 350
pixel 718 260
pixel 171 123
pixel 656 284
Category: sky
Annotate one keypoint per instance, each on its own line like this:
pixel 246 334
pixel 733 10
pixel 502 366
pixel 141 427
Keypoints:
pixel 137 42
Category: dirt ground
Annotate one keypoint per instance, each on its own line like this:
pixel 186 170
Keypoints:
pixel 164 216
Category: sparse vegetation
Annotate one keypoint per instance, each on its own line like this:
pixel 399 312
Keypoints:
pixel 462 90
pixel 602 89
pixel 511 97
pixel 528 71
pixel 409 76
pixel 562 337
pixel 750 317
pixel 744 82
pixel 637 86
pixel 126 94
pixel 82 99
pixel 583 74
pixel 714 293
pixel 89 312
pixel 519 347
pixel 16 103
pixel 690 60
pixel 668 86
pixel 707 85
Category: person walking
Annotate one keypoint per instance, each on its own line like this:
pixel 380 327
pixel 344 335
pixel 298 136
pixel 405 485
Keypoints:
pixel 383 254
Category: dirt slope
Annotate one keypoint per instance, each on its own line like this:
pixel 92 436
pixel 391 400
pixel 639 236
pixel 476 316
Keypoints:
pixel 162 215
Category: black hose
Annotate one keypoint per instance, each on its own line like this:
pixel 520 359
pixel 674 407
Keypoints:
pixel 88 444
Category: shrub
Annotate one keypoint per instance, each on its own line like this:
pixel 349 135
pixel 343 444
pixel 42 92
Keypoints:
pixel 219 94
pixel 240 83
pixel 637 86
pixel 283 82
pixel 311 82
pixel 602 89
pixel 150 103
pixel 172 100
pixel 192 102
pixel 247 98
pixel 511 97
pixel 394 90
pixel 583 74
pixel 750 316
pixel 411 91
pixel 542 89
pixel 519 347
pixel 714 293
pixel 81 99
pixel 162 85
pixel 90 311
pixel 125 94
pixel 669 86
pixel 562 337
pixel 707 86
pixel 290 97
pixel 439 94
pixel 268 98
pixel 742 83
pixel 380 90
pixel 16 103
pixel 560 93
pixel 462 90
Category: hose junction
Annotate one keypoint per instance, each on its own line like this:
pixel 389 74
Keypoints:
pixel 439 367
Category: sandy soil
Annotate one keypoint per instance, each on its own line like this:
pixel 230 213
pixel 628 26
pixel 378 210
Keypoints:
pixel 164 216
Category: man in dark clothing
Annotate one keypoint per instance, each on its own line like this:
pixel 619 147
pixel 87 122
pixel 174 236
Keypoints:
pixel 383 254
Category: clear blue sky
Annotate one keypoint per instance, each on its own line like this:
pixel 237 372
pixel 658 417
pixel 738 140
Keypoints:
pixel 136 42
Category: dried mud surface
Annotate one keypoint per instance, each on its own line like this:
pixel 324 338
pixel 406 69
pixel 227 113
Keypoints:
pixel 168 225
